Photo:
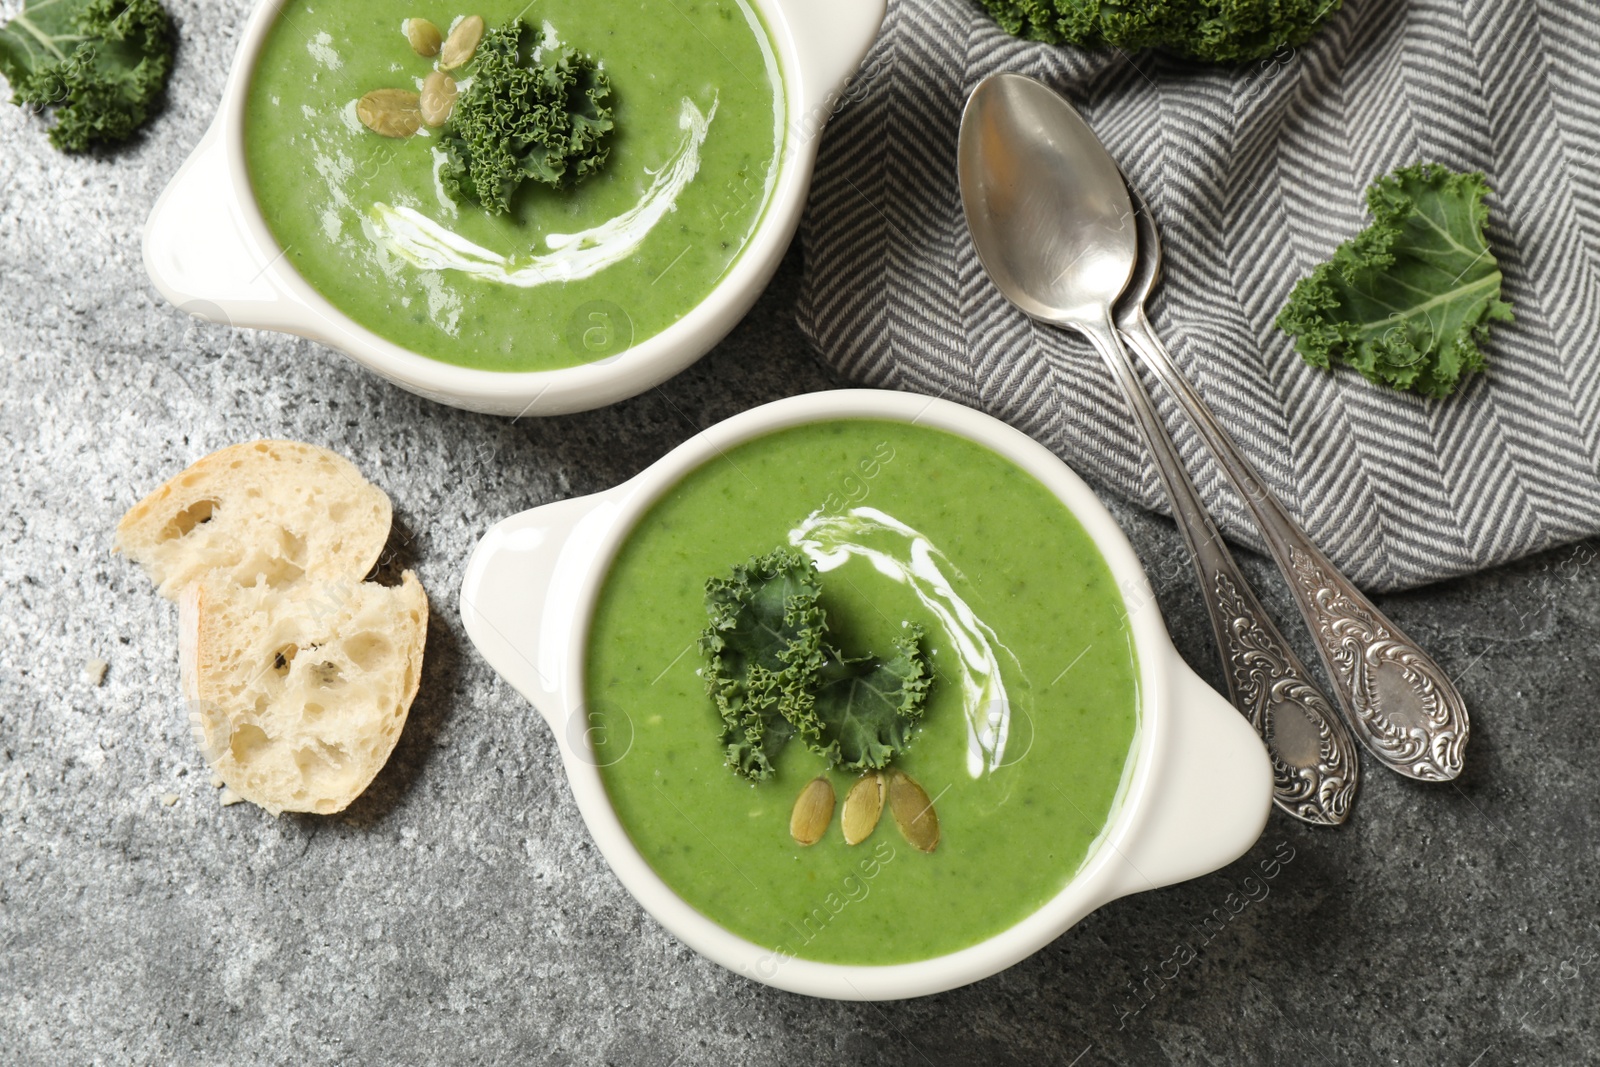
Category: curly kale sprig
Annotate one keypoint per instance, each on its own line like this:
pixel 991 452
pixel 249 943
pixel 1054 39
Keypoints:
pixel 533 112
pixel 1408 300
pixel 1217 31
pixel 99 65
pixel 773 677
pixel 763 653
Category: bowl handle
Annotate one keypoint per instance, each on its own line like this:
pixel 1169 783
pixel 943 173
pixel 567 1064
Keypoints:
pixel 1210 791
pixel 199 250
pixel 831 38
pixel 525 586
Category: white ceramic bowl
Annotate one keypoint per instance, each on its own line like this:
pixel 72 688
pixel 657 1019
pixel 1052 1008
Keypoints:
pixel 1200 784
pixel 208 250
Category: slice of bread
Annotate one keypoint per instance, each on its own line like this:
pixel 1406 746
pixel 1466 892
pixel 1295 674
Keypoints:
pixel 264 512
pixel 298 695
pixel 299 675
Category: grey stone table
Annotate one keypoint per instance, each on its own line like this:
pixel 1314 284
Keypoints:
pixel 458 913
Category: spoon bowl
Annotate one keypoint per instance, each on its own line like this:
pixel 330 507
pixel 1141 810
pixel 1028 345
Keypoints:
pixel 1147 275
pixel 1025 169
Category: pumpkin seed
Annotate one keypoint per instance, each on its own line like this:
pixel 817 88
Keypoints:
pixel 913 811
pixel 462 42
pixel 424 37
pixel 438 98
pixel 391 112
pixel 862 807
pixel 813 811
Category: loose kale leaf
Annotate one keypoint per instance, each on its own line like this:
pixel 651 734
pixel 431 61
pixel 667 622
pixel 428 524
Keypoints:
pixel 1217 31
pixel 1409 299
pixel 533 112
pixel 100 64
pixel 866 708
pixel 763 653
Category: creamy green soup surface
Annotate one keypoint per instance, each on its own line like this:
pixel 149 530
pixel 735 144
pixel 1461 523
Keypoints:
pixel 1029 727
pixel 571 275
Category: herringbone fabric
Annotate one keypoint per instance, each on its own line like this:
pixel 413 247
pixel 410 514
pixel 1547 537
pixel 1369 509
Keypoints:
pixel 1255 176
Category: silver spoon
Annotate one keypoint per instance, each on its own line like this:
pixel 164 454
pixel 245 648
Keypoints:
pixel 1052 223
pixel 1402 706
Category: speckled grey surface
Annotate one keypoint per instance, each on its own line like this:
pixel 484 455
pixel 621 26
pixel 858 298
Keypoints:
pixel 458 913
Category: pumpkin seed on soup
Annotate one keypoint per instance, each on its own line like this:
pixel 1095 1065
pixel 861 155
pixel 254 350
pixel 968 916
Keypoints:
pixel 863 805
pixel 913 811
pixel 438 98
pixel 462 42
pixel 424 36
pixel 813 811
pixel 391 112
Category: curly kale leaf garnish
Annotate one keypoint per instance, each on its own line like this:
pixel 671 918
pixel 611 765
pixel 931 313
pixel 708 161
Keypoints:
pixel 99 65
pixel 1217 31
pixel 866 708
pixel 772 677
pixel 1408 300
pixel 758 733
pixel 533 112
pixel 763 653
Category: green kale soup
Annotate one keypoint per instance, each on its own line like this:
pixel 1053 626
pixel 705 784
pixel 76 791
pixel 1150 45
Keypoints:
pixel 570 274
pixel 1026 731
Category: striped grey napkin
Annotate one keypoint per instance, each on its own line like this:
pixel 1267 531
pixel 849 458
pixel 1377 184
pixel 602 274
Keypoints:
pixel 1255 175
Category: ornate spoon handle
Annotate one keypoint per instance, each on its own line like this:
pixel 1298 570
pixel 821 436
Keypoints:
pixel 1314 763
pixel 1396 698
